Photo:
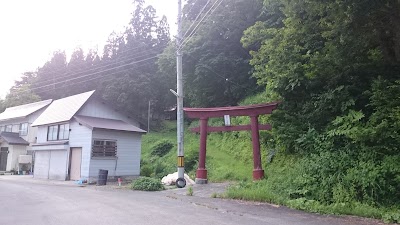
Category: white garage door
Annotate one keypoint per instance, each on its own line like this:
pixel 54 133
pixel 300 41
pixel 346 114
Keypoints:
pixel 42 164
pixel 50 164
pixel 58 165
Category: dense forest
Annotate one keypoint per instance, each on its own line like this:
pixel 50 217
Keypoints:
pixel 334 65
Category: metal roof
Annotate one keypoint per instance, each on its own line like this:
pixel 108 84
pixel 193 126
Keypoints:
pixel 63 109
pixel 13 138
pixel 110 124
pixel 23 110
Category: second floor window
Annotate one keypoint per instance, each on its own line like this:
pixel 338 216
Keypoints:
pixel 58 132
pixel 23 129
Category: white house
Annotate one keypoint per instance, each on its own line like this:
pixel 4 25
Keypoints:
pixel 16 135
pixel 78 135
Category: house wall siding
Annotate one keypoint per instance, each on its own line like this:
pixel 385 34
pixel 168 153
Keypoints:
pixel 32 131
pixel 127 162
pixel 15 152
pixel 96 108
pixel 81 137
pixel 42 134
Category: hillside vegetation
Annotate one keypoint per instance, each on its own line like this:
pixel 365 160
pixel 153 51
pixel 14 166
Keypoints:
pixel 324 182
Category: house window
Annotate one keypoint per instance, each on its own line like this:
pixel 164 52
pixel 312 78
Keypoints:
pixel 58 132
pixel 104 148
pixel 63 132
pixel 2 128
pixel 23 129
pixel 8 128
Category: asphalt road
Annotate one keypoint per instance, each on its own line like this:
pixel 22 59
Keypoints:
pixel 30 202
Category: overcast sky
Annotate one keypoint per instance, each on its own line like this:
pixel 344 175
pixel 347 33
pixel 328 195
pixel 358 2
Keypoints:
pixel 31 30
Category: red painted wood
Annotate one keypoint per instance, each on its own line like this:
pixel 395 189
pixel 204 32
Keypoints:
pixel 231 128
pixel 231 110
pixel 255 139
pixel 258 174
pixel 201 173
pixel 202 152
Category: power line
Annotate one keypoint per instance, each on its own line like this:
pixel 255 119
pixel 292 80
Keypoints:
pixel 198 15
pixel 187 39
pixel 75 78
pixel 127 56
pixel 212 10
pixel 93 68
pixel 94 78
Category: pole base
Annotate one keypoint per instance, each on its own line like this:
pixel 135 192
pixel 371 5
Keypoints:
pixel 201 173
pixel 258 174
pixel 200 181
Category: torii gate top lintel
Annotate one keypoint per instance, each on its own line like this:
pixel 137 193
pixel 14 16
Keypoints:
pixel 250 110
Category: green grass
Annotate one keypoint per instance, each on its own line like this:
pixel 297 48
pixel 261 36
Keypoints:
pixel 222 165
pixel 229 158
pixel 278 188
pixel 189 191
pixel 147 184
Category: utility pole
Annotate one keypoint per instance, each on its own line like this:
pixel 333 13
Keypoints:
pixel 180 182
pixel 148 118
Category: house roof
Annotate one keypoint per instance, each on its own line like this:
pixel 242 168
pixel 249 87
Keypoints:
pixel 63 109
pixel 23 110
pixel 110 124
pixel 13 138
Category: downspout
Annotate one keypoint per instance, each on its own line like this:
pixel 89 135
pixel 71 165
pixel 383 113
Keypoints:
pixel 115 169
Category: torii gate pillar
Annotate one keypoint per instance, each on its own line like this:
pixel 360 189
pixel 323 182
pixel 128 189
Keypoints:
pixel 258 172
pixel 253 111
pixel 201 173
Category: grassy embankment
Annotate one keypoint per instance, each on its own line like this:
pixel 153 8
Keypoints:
pixel 229 158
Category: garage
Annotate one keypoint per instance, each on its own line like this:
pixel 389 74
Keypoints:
pixel 50 164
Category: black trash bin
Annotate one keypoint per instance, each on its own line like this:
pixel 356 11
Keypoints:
pixel 102 179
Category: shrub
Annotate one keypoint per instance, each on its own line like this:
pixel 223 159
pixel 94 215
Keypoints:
pixel 147 184
pixel 161 168
pixel 391 217
pixel 145 168
pixel 162 148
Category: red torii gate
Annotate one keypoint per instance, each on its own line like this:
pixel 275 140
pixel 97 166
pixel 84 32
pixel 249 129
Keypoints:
pixel 252 110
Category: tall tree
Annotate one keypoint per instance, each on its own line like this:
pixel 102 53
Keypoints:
pixel 136 82
pixel 49 77
pixel 19 95
pixel 216 70
pixel 320 58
